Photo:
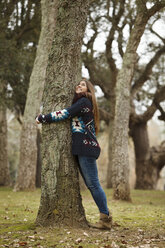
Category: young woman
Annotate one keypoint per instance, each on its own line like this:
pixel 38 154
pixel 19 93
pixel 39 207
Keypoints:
pixel 85 125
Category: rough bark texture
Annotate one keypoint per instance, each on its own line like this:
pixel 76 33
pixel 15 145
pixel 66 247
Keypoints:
pixel 28 145
pixel 149 162
pixel 110 145
pixel 60 198
pixel 120 162
pixel 4 167
pixel 39 160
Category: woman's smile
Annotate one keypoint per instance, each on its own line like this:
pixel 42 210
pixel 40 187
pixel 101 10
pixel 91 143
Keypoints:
pixel 82 87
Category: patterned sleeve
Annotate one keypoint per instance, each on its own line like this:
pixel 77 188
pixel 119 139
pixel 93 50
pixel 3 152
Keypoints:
pixel 54 116
pixel 76 109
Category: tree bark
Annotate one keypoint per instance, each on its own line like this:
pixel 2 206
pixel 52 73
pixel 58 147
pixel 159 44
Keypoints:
pixel 110 141
pixel 120 161
pixel 28 144
pixel 4 167
pixel 60 198
pixel 39 160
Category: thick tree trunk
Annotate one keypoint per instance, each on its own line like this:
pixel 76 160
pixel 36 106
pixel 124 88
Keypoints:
pixel 149 162
pixel 28 146
pixel 39 160
pixel 4 167
pixel 110 145
pixel 60 198
pixel 120 161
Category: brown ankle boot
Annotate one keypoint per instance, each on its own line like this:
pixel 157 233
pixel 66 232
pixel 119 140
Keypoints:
pixel 105 222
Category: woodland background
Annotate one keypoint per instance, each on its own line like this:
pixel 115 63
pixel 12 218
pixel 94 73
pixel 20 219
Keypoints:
pixel 45 49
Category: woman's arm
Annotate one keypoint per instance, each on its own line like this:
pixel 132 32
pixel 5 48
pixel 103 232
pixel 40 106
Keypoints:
pixel 76 109
pixel 53 116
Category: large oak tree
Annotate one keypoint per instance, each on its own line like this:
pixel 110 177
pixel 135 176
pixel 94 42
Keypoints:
pixel 60 197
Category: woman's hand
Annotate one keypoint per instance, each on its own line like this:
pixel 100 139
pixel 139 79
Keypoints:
pixel 38 119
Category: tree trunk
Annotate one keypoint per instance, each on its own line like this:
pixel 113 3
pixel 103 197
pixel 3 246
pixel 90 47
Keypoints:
pixel 110 145
pixel 120 161
pixel 39 160
pixel 149 162
pixel 4 168
pixel 28 145
pixel 60 198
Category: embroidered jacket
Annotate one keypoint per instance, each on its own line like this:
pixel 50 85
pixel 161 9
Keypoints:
pixel 84 140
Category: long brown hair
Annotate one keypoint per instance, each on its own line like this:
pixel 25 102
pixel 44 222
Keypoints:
pixel 90 94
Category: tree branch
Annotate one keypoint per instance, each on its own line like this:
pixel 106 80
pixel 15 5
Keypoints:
pixel 157 6
pixel 147 72
pixel 160 37
pixel 162 116
pixel 115 21
pixel 159 97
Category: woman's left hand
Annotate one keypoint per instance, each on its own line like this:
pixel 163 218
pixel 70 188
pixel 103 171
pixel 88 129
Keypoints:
pixel 37 121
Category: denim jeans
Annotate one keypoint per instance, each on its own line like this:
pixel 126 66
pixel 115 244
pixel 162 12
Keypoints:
pixel 89 172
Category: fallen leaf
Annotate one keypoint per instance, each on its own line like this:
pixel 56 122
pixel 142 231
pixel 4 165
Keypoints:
pixel 78 240
pixel 124 242
pixel 107 246
pixel 6 218
pixel 22 243
pixel 86 234
pixel 31 237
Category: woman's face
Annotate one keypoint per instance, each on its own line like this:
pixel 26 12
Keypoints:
pixel 82 87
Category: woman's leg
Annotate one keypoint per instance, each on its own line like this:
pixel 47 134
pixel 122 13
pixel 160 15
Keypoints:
pixel 89 172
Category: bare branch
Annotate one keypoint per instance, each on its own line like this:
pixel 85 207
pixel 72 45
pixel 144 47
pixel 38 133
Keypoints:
pixel 159 97
pixel 157 7
pixel 147 71
pixel 158 35
pixel 120 37
pixel 115 21
pixel 90 43
pixel 162 116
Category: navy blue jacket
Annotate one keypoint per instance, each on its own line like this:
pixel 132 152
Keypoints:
pixel 84 140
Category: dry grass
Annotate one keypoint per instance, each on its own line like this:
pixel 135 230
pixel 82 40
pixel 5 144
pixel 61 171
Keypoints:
pixel 141 223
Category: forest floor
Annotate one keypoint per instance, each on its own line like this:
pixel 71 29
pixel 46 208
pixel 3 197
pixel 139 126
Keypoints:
pixel 141 223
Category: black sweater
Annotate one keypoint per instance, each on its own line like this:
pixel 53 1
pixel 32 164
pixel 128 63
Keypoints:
pixel 84 140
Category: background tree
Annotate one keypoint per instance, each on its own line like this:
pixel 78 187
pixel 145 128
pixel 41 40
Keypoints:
pixel 60 197
pixel 4 168
pixel 116 18
pixel 28 145
pixel 19 22
pixel 149 160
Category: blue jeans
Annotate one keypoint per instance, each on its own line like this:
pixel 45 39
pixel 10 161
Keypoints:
pixel 88 170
